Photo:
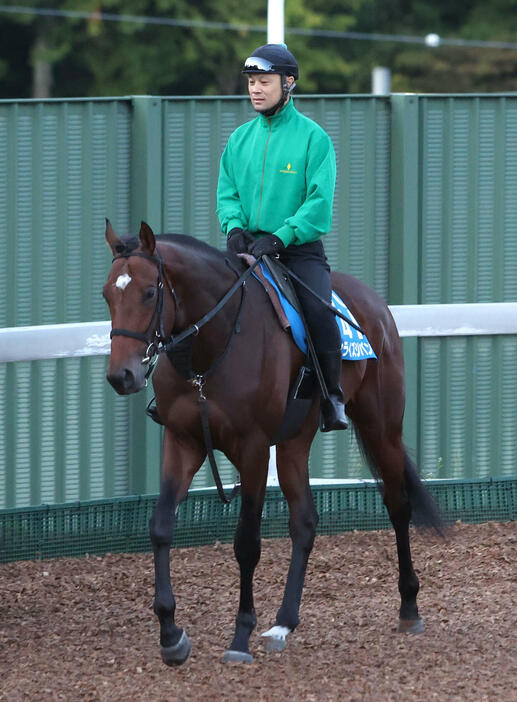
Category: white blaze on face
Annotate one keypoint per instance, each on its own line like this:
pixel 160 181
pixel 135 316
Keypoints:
pixel 123 281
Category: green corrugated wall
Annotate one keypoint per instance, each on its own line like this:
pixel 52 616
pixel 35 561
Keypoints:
pixel 468 190
pixel 63 167
pixel 425 211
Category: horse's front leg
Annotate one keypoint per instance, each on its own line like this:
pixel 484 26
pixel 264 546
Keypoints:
pixel 247 550
pixel 293 474
pixel 179 465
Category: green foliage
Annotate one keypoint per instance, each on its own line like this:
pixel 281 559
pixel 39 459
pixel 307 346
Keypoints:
pixel 96 57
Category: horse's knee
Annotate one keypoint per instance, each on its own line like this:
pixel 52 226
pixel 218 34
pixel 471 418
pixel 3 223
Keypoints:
pixel 161 528
pixel 161 524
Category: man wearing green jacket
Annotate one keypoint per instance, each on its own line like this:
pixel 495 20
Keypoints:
pixel 276 186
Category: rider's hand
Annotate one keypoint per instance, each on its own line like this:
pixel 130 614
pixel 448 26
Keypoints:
pixel 268 245
pixel 239 240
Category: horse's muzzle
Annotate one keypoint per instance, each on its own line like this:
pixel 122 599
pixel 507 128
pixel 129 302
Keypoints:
pixel 125 382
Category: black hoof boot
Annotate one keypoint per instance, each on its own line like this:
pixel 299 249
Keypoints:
pixel 332 415
pixel 152 412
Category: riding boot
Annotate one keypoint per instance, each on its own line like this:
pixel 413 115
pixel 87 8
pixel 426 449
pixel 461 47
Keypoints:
pixel 332 414
pixel 152 411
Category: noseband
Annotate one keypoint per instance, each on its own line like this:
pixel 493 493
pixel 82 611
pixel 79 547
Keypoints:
pixel 154 341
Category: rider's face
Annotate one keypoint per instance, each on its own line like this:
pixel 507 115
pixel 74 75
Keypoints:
pixel 265 90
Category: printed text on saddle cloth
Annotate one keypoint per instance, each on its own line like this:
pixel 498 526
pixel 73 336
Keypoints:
pixel 354 345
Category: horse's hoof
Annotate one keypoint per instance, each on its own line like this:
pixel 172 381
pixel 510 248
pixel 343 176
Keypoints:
pixel 177 654
pixel 237 657
pixel 411 626
pixel 272 644
pixel 274 639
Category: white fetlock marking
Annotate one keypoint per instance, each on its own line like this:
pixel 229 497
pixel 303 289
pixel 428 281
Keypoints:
pixel 277 632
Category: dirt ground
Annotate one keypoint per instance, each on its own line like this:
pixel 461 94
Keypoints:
pixel 83 629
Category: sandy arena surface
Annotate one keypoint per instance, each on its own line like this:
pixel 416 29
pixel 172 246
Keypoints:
pixel 83 629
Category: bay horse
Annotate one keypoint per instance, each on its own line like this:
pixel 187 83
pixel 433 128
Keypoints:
pixel 161 287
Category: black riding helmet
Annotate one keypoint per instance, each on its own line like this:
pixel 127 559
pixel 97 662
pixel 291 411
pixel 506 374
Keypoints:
pixel 274 58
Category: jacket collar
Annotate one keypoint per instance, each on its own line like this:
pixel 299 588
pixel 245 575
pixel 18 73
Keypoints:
pixel 284 115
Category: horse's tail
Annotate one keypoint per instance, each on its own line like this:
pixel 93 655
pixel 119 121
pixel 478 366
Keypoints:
pixel 424 511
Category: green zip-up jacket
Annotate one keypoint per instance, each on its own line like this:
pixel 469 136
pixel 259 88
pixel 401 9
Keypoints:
pixel 278 174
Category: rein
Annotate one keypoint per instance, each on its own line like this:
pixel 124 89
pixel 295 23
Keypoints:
pixel 160 343
pixel 328 305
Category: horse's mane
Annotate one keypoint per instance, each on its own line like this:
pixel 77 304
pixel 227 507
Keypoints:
pixel 192 243
pixel 130 243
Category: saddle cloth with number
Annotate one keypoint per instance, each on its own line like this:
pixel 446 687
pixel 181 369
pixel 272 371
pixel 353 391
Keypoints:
pixel 354 345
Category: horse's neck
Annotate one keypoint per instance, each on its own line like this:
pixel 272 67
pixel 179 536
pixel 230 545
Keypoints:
pixel 199 281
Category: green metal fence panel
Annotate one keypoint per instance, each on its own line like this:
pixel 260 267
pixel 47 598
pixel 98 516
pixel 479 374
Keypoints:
pixel 195 132
pixel 64 167
pixel 360 128
pixel 468 186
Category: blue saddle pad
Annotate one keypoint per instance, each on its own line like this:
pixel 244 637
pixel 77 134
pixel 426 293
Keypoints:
pixel 354 345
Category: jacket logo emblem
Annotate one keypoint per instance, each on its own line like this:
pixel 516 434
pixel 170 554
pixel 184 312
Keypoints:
pixel 287 169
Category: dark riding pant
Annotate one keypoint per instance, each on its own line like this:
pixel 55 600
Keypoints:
pixel 309 263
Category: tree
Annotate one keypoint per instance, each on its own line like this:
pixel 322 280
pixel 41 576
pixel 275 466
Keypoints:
pixel 70 57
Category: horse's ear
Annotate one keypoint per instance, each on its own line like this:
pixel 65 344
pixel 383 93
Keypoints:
pixel 147 238
pixel 112 239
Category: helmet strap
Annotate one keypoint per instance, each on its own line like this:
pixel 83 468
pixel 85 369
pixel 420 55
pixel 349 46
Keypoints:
pixel 286 92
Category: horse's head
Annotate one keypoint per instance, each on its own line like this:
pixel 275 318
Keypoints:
pixel 135 297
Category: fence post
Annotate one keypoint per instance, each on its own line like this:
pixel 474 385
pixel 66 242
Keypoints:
pixel 404 270
pixel 146 204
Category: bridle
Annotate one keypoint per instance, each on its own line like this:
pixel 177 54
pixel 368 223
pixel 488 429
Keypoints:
pixel 158 342
pixel 154 341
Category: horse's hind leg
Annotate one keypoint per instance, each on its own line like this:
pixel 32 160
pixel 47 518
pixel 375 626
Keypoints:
pixel 293 474
pixel 247 548
pixel 388 458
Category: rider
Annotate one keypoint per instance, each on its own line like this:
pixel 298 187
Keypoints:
pixel 274 196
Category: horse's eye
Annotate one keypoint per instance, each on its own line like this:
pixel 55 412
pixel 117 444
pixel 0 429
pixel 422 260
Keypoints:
pixel 149 294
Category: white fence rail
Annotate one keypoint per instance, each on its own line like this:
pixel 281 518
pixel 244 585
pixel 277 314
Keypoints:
pixel 92 338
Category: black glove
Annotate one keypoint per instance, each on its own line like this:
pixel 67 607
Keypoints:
pixel 268 245
pixel 239 240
